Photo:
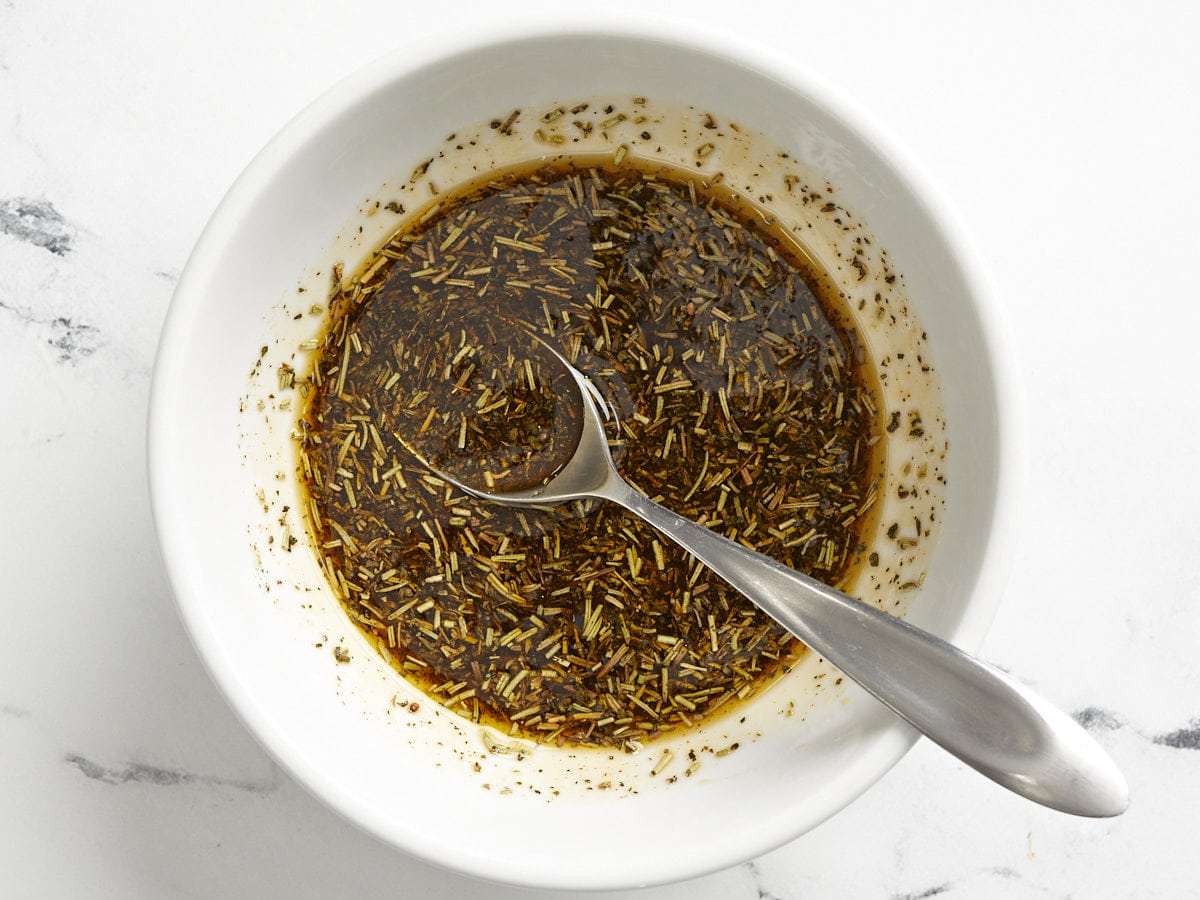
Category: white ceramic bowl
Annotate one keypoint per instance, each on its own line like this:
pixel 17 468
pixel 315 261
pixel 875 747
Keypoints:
pixel 260 618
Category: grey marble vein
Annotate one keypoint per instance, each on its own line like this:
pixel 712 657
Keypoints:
pixel 1182 738
pixel 73 340
pixel 927 892
pixel 759 887
pixel 965 889
pixel 36 222
pixel 141 773
pixel 1093 718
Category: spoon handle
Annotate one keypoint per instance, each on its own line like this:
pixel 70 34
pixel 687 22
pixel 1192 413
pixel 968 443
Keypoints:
pixel 972 710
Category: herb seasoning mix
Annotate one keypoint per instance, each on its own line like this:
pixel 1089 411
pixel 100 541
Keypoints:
pixel 745 400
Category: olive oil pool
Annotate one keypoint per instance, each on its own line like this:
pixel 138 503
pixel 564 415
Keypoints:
pixel 744 401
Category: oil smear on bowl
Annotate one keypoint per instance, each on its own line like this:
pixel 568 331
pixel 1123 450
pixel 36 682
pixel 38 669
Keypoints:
pixel 699 144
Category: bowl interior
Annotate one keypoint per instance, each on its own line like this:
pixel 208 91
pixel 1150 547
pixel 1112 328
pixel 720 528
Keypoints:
pixel 278 221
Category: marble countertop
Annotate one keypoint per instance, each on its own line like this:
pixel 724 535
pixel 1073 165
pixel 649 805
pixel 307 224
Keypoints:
pixel 1067 135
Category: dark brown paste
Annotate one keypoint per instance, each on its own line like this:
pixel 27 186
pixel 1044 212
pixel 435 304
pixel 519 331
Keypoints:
pixel 744 403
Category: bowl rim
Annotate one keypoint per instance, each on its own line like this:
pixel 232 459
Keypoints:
pixel 996 558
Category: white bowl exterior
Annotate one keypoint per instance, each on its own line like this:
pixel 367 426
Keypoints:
pixel 274 224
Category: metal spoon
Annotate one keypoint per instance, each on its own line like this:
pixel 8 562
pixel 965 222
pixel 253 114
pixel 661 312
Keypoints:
pixel 974 711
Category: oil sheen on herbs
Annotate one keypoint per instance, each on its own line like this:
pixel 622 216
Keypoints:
pixel 744 403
